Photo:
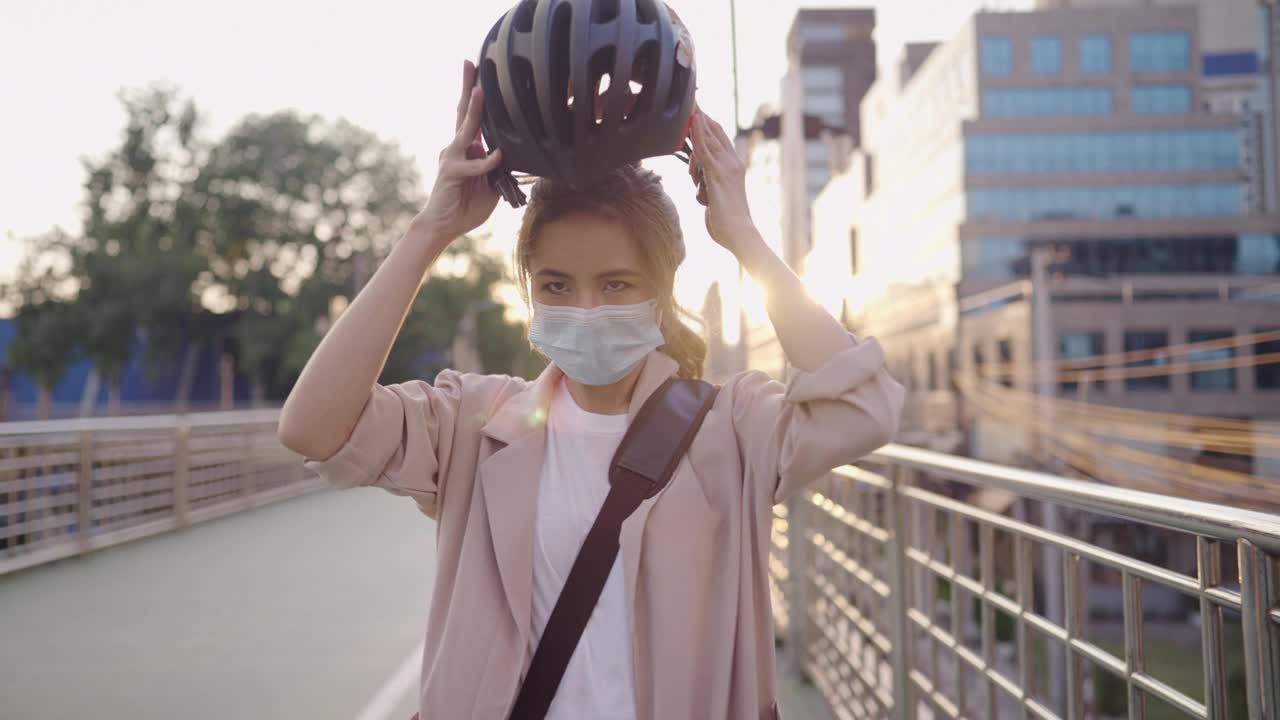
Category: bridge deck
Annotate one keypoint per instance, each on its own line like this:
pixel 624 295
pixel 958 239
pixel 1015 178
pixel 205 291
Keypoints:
pixel 310 608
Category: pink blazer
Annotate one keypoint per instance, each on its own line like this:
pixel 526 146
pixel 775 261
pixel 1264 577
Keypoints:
pixel 469 449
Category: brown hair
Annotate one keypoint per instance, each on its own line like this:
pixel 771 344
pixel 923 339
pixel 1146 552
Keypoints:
pixel 633 196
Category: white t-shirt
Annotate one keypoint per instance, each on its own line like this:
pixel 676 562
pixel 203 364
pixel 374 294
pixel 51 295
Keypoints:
pixel 598 682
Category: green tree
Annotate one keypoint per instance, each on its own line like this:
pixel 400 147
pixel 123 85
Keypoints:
pixel 135 261
pixel 49 324
pixel 464 278
pixel 297 212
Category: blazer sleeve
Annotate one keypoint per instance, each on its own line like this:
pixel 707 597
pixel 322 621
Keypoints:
pixel 402 440
pixel 791 434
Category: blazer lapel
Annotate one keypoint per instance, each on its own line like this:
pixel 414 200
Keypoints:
pixel 509 481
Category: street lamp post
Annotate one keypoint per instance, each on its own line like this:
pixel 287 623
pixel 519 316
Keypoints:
pixel 733 39
pixel 1270 12
pixel 1046 387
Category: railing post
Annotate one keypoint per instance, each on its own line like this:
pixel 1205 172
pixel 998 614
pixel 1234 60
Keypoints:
pixel 899 599
pixel 798 580
pixel 1209 576
pixel 1074 622
pixel 84 492
pixel 182 475
pixel 246 466
pixel 1258 594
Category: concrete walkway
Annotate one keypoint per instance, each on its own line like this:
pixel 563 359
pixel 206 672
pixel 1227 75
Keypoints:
pixel 311 608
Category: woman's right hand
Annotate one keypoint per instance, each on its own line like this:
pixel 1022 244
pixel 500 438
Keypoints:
pixel 462 199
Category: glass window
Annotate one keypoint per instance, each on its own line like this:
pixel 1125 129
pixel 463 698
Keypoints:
pixel 1217 379
pixel 1046 54
pixel 1123 151
pixel 994 258
pixel 1006 259
pixel 1095 53
pixel 1151 344
pixel 822 77
pixel 823 33
pixel 1259 254
pixel 997 55
pixel 1034 102
pixel 1159 51
pixel 1077 345
pixel 1266 376
pixel 815 153
pixel 1149 201
pixel 825 104
pixel 1161 99
pixel 1005 350
pixel 816 179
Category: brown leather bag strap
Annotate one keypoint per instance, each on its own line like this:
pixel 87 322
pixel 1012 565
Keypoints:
pixel 659 436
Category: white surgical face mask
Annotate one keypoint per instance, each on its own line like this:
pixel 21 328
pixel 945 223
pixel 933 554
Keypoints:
pixel 597 346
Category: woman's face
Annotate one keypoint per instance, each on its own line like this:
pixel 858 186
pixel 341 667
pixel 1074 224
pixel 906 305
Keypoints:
pixel 584 260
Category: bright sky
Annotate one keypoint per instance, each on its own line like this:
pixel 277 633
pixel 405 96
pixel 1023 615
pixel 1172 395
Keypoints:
pixel 391 67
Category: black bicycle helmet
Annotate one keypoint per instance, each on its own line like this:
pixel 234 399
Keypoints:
pixel 632 58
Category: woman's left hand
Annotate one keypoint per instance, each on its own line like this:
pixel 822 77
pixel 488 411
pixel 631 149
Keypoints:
pixel 721 179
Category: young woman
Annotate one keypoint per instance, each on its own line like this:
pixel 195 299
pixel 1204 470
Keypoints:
pixel 514 472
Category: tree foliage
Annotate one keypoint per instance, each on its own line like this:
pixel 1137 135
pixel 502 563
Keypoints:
pixel 49 325
pixel 260 230
pixel 133 261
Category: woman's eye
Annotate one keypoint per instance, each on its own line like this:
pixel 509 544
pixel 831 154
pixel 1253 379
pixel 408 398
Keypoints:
pixel 616 286
pixel 555 287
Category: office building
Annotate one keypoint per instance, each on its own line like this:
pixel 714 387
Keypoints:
pixel 1083 130
pixel 831 64
pixel 1236 39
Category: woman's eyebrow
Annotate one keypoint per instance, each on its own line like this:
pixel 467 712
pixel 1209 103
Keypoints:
pixel 622 272
pixel 545 272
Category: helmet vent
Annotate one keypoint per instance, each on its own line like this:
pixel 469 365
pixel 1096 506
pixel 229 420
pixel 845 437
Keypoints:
pixel 493 106
pixel 601 68
pixel 644 78
pixel 602 87
pixel 558 75
pixel 646 12
pixel 523 20
pixel 679 85
pixel 603 11
pixel 527 96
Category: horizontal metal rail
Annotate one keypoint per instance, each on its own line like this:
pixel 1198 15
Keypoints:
pixel 926 585
pixel 912 585
pixel 73 486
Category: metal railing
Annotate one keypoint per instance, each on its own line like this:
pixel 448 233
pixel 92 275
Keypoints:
pixel 72 486
pixel 904 590
pixel 900 585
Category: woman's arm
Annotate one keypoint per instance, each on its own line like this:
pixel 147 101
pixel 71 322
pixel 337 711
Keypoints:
pixel 842 402
pixel 808 334
pixel 336 382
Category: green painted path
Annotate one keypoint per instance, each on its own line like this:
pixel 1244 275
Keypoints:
pixel 310 608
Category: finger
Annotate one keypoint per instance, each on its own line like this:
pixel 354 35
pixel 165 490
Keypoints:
pixel 710 158
pixel 715 140
pixel 699 132
pixel 481 166
pixel 695 165
pixel 718 131
pixel 468 80
pixel 470 121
